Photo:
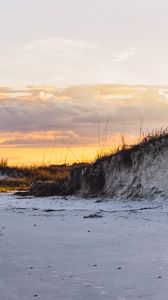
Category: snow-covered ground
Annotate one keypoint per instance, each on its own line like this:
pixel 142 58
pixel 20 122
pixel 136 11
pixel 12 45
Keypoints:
pixel 49 251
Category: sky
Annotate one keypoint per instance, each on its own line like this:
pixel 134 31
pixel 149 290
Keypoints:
pixel 61 63
pixel 71 42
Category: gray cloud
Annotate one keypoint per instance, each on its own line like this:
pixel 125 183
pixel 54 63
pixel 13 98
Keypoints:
pixel 73 113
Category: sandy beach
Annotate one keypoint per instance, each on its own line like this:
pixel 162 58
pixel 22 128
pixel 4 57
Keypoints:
pixel 50 249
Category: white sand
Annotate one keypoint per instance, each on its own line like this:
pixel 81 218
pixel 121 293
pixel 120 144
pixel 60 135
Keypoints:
pixel 60 255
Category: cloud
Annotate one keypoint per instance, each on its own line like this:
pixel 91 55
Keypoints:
pixel 60 43
pixel 40 115
pixel 63 61
pixel 123 56
pixel 36 138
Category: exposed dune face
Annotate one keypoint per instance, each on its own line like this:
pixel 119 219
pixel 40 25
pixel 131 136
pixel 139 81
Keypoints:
pixel 136 173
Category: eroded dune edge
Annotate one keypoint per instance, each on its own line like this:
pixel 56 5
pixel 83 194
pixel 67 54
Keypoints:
pixel 140 171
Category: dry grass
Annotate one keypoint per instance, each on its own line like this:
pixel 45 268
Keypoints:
pixel 20 178
pixel 126 150
pixel 13 184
